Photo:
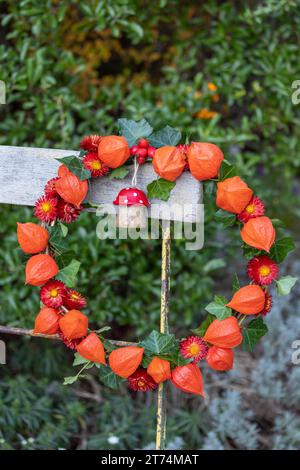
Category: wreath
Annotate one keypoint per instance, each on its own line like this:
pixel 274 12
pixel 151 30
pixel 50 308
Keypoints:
pixel 160 356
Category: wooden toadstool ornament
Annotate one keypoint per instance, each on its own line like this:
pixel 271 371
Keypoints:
pixel 133 205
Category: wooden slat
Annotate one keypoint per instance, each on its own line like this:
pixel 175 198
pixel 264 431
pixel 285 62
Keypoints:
pixel 24 172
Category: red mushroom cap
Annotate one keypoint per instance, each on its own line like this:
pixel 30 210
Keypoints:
pixel 131 197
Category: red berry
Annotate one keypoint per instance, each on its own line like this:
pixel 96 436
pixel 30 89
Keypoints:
pixel 134 150
pixel 151 152
pixel 143 143
pixel 142 152
pixel 141 160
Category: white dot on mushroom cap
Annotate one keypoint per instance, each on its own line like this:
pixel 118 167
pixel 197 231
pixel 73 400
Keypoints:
pixel 127 189
pixel 135 194
pixel 126 200
pixel 141 202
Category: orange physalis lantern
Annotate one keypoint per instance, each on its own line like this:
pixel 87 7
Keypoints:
pixel 72 189
pixel 113 150
pixel 39 269
pixel 233 194
pixel 46 321
pixel 259 233
pixel 220 358
pixel 125 361
pixel 248 300
pixel 63 170
pixel 204 160
pixel 188 378
pixel 74 324
pixel 159 369
pixel 168 162
pixel 32 238
pixel 224 333
pixel 91 348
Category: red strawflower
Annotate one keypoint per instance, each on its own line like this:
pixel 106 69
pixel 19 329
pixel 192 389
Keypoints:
pixel 92 162
pixel 53 293
pixel 195 347
pixel 67 212
pixel 268 304
pixel 70 343
pixel 50 187
pixel 255 208
pixel 74 300
pixel 46 208
pixel 90 143
pixel 141 381
pixel 262 270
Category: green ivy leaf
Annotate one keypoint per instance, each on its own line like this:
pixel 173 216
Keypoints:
pixel 281 248
pixel 159 343
pixel 210 188
pixel 218 308
pixel 57 241
pixel 226 218
pixel 250 252
pixel 69 273
pixel 200 331
pixel 133 130
pixel 75 165
pixel 70 380
pixel 108 377
pixel 253 332
pixel 285 284
pixel 79 360
pixel 119 173
pixel 226 171
pixel 65 259
pixel 160 189
pixel 64 229
pixel 166 136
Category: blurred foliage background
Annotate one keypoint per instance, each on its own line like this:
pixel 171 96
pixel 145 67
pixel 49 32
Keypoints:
pixel 220 71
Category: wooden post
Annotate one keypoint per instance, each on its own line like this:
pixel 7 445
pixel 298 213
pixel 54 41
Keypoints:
pixel 164 328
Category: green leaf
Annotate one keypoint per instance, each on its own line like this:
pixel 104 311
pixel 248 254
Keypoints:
pixel 133 131
pixel 285 284
pixel 70 380
pixel 200 331
pixel 250 252
pixel 159 343
pixel 235 283
pixel 160 189
pixel 213 265
pixel 79 360
pixel 166 136
pixel 69 273
pixel 119 173
pixel 218 308
pixel 227 171
pixel 253 332
pixel 209 188
pixel 57 240
pixel 281 248
pixel 176 359
pixel 75 165
pixel 226 218
pixel 108 377
pixel 64 229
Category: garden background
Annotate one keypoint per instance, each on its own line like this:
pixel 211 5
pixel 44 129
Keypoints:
pixel 221 72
